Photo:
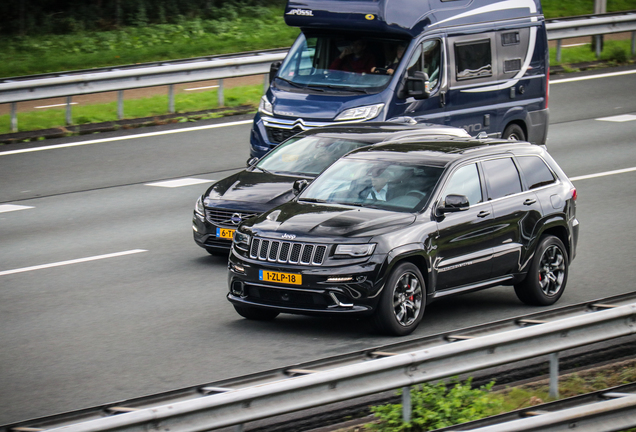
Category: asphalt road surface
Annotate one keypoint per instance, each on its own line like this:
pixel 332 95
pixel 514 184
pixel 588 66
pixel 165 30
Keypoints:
pixel 104 295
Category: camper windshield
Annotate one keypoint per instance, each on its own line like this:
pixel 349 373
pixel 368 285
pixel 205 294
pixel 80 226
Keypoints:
pixel 341 62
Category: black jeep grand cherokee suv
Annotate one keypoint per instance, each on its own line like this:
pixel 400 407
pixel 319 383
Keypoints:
pixel 389 228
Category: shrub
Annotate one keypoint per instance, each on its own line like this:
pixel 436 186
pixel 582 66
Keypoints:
pixel 437 406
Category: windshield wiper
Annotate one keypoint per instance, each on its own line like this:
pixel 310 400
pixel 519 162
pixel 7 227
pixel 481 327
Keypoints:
pixel 262 169
pixel 334 87
pixel 291 82
pixel 312 200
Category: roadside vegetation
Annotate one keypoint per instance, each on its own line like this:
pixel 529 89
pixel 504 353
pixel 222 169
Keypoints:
pixel 134 32
pixel 438 405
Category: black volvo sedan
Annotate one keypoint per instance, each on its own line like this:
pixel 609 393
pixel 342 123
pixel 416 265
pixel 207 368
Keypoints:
pixel 268 182
pixel 389 228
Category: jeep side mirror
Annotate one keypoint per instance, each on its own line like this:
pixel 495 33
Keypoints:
pixel 453 203
pixel 418 86
pixel 252 161
pixel 273 70
pixel 299 186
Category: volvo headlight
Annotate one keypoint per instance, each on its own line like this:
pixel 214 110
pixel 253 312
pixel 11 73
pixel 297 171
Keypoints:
pixel 242 240
pixel 354 250
pixel 265 107
pixel 361 113
pixel 199 208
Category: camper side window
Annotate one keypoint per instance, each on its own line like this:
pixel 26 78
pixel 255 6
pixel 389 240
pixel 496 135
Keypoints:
pixel 427 59
pixel 473 60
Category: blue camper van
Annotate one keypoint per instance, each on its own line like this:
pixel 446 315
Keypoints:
pixel 481 65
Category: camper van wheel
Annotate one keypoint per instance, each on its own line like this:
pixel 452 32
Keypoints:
pixel 514 133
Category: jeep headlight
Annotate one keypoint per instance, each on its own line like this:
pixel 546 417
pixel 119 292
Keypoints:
pixel 242 240
pixel 361 113
pixel 354 250
pixel 265 107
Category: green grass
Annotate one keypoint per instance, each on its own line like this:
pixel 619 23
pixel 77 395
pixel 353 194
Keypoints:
pixel 134 108
pixel 493 402
pixel 560 8
pixel 51 53
pixel 584 53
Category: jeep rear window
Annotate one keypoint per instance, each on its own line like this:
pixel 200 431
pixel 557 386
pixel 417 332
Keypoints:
pixel 535 171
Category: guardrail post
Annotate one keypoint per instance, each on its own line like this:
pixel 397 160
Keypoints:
pixel 558 51
pixel 69 117
pixel 238 428
pixel 406 404
pixel 120 104
pixel 171 98
pixel 633 43
pixel 266 80
pixel 599 43
pixel 554 375
pixel 14 116
pixel 220 93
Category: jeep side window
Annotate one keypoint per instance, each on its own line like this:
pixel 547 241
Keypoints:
pixel 502 177
pixel 473 59
pixel 465 181
pixel 427 59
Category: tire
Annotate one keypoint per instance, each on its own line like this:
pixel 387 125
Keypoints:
pixel 402 303
pixel 513 132
pixel 548 274
pixel 256 314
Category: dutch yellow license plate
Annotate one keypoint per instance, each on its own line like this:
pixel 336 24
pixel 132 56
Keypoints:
pixel 286 278
pixel 225 233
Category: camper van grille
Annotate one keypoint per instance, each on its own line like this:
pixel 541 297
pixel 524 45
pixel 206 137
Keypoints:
pixel 278 135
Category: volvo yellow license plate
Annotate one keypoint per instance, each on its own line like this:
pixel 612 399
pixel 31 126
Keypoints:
pixel 286 278
pixel 225 233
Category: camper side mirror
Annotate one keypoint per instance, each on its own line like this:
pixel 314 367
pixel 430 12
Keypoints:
pixel 299 186
pixel 418 86
pixel 273 70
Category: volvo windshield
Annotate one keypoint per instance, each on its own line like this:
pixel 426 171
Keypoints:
pixel 341 62
pixel 307 155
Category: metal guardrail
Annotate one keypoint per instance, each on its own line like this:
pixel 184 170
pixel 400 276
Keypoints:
pixel 591 26
pixel 69 84
pixel 243 399
pixel 235 407
pixel 612 409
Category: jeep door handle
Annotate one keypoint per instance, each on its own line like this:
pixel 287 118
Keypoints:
pixel 529 201
pixel 483 214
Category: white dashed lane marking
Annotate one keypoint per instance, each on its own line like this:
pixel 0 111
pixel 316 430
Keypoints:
pixel 75 261
pixel 619 118
pixel 179 182
pixel 12 207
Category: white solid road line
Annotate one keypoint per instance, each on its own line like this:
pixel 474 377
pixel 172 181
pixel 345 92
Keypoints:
pixel 603 174
pixel 589 77
pixel 126 137
pixel 75 261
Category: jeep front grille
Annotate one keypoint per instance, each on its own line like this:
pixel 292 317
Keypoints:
pixel 287 252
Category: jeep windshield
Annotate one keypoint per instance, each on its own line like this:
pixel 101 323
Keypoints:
pixel 340 62
pixel 380 184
